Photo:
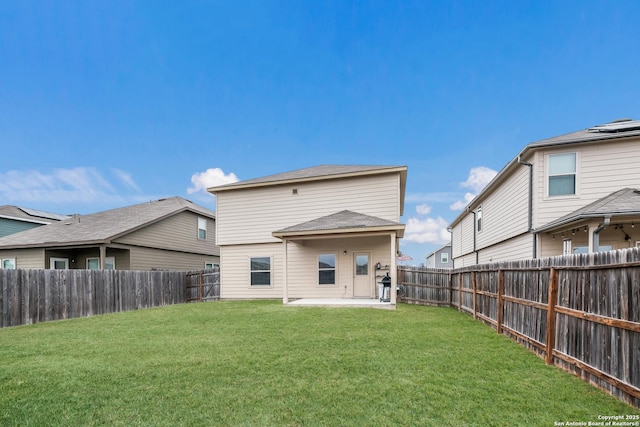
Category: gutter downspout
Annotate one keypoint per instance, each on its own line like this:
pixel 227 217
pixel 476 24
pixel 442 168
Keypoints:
pixel 530 229
pixel 596 233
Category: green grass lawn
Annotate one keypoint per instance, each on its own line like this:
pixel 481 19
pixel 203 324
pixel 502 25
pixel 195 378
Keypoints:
pixel 258 363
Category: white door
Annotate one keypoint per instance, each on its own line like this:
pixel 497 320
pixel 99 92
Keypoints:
pixel 362 275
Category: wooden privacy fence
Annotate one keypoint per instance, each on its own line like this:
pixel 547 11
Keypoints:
pixel 580 312
pixel 203 285
pixel 33 296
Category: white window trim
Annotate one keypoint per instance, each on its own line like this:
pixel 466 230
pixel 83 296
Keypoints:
pixel 479 224
pixel 210 265
pixel 446 256
pixel 53 260
pixel 270 285
pixel 13 261
pixel 546 176
pixel 335 269
pixel 202 225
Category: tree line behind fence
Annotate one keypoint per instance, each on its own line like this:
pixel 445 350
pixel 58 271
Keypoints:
pixel 578 312
pixel 33 296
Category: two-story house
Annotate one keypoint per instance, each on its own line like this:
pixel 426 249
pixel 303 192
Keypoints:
pixel 573 193
pixel 321 232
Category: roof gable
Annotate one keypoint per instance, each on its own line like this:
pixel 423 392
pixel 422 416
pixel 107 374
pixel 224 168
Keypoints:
pixel 102 227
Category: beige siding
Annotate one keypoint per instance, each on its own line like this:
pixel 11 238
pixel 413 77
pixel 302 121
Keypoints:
pixel 505 211
pixel 597 164
pixel 464 261
pixel 462 236
pixel 178 232
pixel 303 266
pixel 251 215
pixel 516 248
pixel 157 259
pixel 235 278
pixel 25 258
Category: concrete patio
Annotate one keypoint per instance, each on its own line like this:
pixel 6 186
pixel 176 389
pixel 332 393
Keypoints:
pixel 341 302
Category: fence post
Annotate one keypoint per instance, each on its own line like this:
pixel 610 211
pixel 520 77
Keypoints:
pixel 551 315
pixel 475 295
pixel 450 286
pixel 200 287
pixel 460 292
pixel 500 302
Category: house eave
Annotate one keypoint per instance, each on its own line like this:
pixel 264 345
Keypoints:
pixel 555 226
pixel 241 186
pixel 528 150
pixel 340 232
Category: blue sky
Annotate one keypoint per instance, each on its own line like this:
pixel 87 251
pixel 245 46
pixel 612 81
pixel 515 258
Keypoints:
pixel 109 103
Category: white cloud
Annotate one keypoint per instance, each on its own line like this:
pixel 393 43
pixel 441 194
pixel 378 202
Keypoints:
pixel 210 178
pixel 459 205
pixel 80 184
pixel 125 178
pixel 423 209
pixel 429 230
pixel 478 178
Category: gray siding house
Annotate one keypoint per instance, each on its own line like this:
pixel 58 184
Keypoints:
pixel 440 258
pixel 14 219
pixel 165 234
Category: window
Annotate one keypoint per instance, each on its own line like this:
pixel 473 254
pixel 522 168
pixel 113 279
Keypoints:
pixel 59 263
pixel 562 174
pixel 479 218
pixel 444 257
pixel 210 265
pixel 202 229
pixel 362 265
pixel 8 263
pixel 94 263
pixel 261 271
pixel 327 269
pixel 566 247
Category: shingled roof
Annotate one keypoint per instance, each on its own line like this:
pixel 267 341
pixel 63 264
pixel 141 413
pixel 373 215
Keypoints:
pixel 29 215
pixel 625 202
pixel 102 227
pixel 339 223
pixel 310 174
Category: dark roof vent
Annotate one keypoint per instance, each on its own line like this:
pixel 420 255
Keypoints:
pixel 621 120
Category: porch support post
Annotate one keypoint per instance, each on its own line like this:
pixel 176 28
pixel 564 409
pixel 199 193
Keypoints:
pixel 394 268
pixel 285 276
pixel 103 255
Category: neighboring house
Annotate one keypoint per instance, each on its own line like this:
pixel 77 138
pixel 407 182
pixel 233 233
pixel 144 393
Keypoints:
pixel 14 219
pixel 165 234
pixel 321 232
pixel 440 258
pixel 568 194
